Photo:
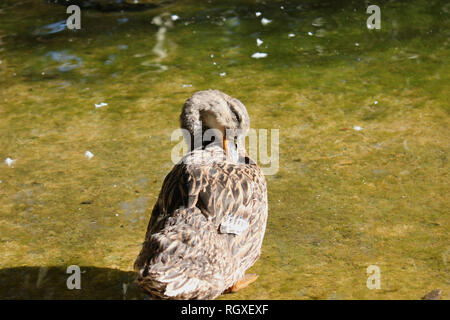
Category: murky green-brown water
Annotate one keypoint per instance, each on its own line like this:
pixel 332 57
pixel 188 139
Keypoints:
pixel 343 199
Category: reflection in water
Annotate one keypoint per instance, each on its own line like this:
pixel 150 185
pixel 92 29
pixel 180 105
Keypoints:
pixel 163 21
pixel 70 61
pixel 50 28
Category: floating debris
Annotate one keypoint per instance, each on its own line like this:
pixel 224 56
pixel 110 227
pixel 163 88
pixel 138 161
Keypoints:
pixel 100 105
pixel 186 85
pixel 310 33
pixel 257 13
pixel 110 60
pixel 318 22
pixel 291 35
pixel 357 44
pixel 259 55
pixel 9 161
pixel 357 128
pixel 376 102
pixel 223 74
pixel 265 21
pixel 259 42
pixel 174 17
pixel 89 155
pixel 122 20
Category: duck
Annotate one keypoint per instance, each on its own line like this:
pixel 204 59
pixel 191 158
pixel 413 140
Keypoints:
pixel 207 226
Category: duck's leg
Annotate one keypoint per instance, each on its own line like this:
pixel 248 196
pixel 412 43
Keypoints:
pixel 244 282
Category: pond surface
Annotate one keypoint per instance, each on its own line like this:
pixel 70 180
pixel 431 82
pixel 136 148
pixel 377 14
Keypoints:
pixel 363 118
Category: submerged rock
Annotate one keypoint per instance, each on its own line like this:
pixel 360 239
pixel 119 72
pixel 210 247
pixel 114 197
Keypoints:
pixel 433 295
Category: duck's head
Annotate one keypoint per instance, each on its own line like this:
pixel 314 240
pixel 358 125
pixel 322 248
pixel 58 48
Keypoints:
pixel 212 109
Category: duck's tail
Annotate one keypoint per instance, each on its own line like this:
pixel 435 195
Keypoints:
pixel 185 259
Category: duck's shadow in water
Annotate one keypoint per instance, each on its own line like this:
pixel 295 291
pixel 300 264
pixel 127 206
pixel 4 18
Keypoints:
pixel 51 283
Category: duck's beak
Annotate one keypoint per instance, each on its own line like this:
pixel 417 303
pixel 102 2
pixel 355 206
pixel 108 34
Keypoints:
pixel 231 151
pixel 224 144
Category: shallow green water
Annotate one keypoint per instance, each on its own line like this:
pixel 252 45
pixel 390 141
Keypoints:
pixel 342 199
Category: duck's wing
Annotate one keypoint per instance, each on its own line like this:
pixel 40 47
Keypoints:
pixel 226 193
pixel 173 195
pixel 229 194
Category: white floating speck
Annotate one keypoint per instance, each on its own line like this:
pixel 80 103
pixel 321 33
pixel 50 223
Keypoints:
pixel 257 13
pixel 376 102
pixel 265 21
pixel 174 17
pixel 101 104
pixel 259 55
pixel 186 85
pixel 115 186
pixel 117 214
pixel 282 8
pixel 212 56
pixel 259 42
pixel 357 44
pixel 291 35
pixel 310 33
pixel 89 154
pixel 214 63
pixel 357 128
pixel 9 161
pixel 223 74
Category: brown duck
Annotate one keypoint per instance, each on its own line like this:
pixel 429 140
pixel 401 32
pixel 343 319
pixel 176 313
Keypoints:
pixel 207 226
